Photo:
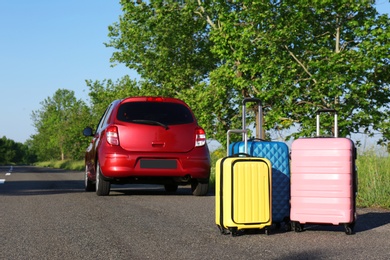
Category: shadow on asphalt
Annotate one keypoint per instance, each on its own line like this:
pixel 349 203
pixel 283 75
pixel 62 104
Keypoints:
pixel 31 169
pixel 150 190
pixel 27 188
pixel 50 187
pixel 365 221
pixel 372 220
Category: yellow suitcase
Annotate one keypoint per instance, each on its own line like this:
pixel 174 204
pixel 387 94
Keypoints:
pixel 243 197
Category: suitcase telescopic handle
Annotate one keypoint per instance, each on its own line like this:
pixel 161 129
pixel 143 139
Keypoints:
pixel 260 114
pixel 319 111
pixel 239 131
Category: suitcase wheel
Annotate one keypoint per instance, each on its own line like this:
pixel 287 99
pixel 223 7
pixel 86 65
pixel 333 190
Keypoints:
pixel 296 226
pixel 287 224
pixel 349 228
pixel 235 232
pixel 278 225
pixel 223 231
pixel 287 227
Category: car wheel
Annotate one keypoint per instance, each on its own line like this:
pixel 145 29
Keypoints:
pixel 89 185
pixel 102 186
pixel 199 188
pixel 171 187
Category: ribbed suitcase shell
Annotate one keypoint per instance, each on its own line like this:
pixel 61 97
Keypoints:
pixel 323 181
pixel 278 154
pixel 242 193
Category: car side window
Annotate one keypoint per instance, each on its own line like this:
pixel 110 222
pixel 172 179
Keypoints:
pixel 104 118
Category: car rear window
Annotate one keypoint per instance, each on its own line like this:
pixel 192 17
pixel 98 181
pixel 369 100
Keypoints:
pixel 162 112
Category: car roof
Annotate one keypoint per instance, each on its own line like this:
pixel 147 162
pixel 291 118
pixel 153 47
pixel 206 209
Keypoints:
pixel 153 99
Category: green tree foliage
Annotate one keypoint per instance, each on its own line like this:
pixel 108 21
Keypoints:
pixel 296 56
pixel 301 56
pixel 102 93
pixel 12 152
pixel 166 43
pixel 59 124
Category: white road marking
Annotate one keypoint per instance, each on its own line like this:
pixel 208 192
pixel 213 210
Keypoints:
pixel 2 181
pixel 7 174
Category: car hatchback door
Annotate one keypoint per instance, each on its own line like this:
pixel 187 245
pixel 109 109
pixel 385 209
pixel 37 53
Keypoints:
pixel 146 126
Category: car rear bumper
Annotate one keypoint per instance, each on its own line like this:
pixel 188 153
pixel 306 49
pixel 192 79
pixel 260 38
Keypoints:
pixel 116 165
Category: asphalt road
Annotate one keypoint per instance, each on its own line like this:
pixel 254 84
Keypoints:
pixel 45 214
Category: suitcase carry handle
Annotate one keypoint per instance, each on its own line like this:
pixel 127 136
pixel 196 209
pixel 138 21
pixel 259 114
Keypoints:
pixel 256 139
pixel 319 111
pixel 244 133
pixel 239 154
pixel 260 113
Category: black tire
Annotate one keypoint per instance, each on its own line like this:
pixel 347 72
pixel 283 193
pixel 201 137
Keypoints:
pixel 102 186
pixel 199 188
pixel 171 187
pixel 89 185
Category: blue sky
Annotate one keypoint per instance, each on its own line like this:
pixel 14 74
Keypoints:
pixel 46 45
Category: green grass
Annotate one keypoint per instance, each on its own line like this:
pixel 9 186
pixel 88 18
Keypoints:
pixel 66 164
pixel 373 180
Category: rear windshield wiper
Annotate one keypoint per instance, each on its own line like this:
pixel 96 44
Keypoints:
pixel 149 122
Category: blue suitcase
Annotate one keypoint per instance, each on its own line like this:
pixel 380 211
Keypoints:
pixel 278 154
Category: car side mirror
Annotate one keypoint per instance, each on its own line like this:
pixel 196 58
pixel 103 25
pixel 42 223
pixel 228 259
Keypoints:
pixel 88 131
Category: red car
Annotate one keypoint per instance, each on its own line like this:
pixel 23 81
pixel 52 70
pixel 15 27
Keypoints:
pixel 148 140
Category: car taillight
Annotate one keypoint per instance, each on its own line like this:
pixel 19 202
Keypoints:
pixel 155 99
pixel 112 135
pixel 200 137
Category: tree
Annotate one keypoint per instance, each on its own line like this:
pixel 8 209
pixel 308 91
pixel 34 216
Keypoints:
pixel 102 93
pixel 59 124
pixel 7 151
pixel 296 57
pixel 167 44
pixel 301 56
pixel 12 152
pixel 164 42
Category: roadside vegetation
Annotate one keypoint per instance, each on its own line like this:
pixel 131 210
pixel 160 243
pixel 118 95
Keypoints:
pixel 12 152
pixel 66 164
pixel 373 176
pixel 373 180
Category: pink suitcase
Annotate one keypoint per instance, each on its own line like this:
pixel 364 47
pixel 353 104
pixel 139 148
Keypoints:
pixel 323 181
